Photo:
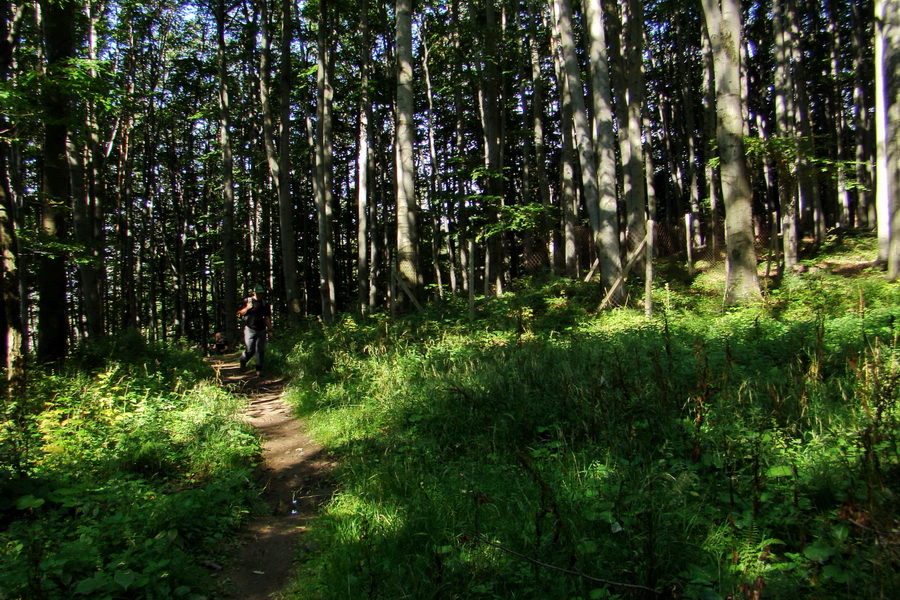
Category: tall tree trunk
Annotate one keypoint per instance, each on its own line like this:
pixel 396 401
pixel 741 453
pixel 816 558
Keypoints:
pixel 86 210
pixel 690 127
pixel 59 39
pixel 435 181
pixel 838 112
pixel 787 130
pixel 407 233
pixel 605 140
pixel 84 229
pixel 363 161
pixel 723 25
pixel 491 116
pixel 810 197
pixel 293 291
pixel 887 115
pixel 537 117
pixel 278 158
pixel 14 343
pixel 228 245
pixel 568 191
pixel 324 174
pixel 631 99
pixel 578 111
pixel 861 122
pixel 465 249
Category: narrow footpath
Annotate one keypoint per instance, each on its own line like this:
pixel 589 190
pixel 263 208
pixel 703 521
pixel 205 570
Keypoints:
pixel 294 477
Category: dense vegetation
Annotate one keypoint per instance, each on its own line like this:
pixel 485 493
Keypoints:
pixel 479 159
pixel 119 477
pixel 545 451
pixel 540 450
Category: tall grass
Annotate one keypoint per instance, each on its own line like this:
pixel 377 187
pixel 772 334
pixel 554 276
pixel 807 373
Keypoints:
pixel 543 451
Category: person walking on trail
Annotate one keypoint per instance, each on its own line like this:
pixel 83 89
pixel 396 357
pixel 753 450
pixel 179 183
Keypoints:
pixel 257 317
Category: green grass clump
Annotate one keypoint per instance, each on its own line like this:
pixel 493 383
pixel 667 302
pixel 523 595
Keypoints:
pixel 546 451
pixel 126 476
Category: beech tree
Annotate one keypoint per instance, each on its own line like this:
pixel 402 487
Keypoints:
pixel 324 149
pixel 407 233
pixel 887 115
pixel 723 24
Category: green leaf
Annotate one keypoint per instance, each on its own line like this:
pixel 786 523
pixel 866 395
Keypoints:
pixel 836 573
pixel 818 552
pixel 89 586
pixel 29 501
pixel 125 579
pixel 779 471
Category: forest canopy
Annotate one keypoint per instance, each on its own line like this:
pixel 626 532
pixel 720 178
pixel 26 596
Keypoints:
pixel 156 160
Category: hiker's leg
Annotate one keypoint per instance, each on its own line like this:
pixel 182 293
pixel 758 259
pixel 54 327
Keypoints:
pixel 260 349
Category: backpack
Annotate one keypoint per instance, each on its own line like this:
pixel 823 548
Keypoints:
pixel 255 317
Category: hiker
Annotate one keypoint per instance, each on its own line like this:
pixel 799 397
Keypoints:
pixel 257 317
pixel 220 344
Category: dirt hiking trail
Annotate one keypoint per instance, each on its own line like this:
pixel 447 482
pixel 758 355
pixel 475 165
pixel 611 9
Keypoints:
pixel 294 476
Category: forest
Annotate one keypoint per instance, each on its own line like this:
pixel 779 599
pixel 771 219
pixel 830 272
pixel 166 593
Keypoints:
pixel 486 189
pixel 354 157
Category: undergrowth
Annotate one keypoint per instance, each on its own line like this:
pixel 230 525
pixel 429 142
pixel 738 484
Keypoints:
pixel 118 478
pixel 544 450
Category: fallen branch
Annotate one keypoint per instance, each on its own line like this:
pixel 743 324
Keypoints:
pixel 566 571
pixel 631 262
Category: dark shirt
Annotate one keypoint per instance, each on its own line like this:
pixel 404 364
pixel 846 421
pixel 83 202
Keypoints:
pixel 255 318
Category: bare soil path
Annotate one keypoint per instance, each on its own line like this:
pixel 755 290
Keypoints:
pixel 294 477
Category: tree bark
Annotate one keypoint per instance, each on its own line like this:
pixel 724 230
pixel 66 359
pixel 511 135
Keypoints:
pixel 605 140
pixel 631 99
pixel 324 173
pixel 228 246
pixel 490 104
pixel 887 115
pixel 86 210
pixel 14 345
pixel 568 192
pixel 363 159
pixel 787 131
pixel 723 25
pixel 548 231
pixel 59 39
pixel 407 234
pixel 278 158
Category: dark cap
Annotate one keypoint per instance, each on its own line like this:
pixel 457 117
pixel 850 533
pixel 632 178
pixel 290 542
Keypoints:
pixel 259 289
